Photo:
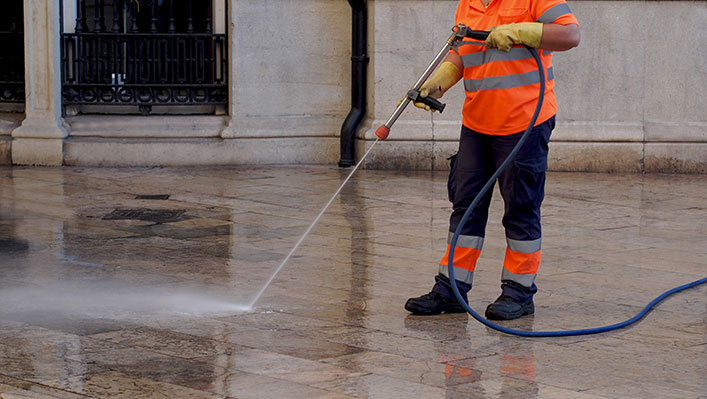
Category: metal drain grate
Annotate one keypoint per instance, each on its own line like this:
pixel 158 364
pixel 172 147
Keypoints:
pixel 148 215
pixel 152 196
pixel 13 245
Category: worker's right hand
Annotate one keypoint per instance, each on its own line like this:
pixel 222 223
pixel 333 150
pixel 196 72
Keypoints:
pixel 446 76
pixel 503 37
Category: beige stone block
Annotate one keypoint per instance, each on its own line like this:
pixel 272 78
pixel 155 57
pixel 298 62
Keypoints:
pixel 676 157
pixel 675 72
pixel 176 152
pixel 282 126
pixel 601 131
pixel 398 155
pixel 9 121
pixel 39 141
pixel 304 70
pixel 393 21
pixel 141 126
pixel 603 78
pixel 595 157
pixel 406 37
pixel 31 151
pixel 441 151
pixel 42 127
pixel 682 131
pixel 446 130
pixel 5 150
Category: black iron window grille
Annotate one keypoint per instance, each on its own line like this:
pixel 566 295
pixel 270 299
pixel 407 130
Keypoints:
pixel 12 53
pixel 144 53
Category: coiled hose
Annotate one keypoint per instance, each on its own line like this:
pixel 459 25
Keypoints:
pixel 484 189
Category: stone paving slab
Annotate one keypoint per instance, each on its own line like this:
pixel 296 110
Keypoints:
pixel 127 308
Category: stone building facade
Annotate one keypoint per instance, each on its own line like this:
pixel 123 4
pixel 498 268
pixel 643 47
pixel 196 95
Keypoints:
pixel 631 96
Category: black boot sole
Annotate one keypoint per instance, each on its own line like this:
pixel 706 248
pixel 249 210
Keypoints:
pixel 419 311
pixel 493 314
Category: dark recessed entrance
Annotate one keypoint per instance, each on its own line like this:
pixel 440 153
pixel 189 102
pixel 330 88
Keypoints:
pixel 12 57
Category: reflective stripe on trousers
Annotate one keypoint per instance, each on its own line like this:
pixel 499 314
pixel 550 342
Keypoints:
pixel 522 188
pixel 522 261
pixel 466 254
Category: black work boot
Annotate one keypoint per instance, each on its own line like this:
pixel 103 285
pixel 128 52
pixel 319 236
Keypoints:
pixel 433 303
pixel 507 308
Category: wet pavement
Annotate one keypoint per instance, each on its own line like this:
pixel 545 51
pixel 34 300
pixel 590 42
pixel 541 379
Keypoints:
pixel 106 295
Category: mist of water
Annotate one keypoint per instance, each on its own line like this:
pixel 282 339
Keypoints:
pixel 311 226
pixel 113 300
pixel 117 300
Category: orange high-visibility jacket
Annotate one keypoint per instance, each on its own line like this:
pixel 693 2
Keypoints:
pixel 502 88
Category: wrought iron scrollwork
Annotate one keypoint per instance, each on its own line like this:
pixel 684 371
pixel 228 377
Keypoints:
pixel 156 52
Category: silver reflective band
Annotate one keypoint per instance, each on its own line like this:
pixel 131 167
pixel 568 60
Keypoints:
pixel 553 13
pixel 491 55
pixel 526 280
pixel 524 247
pixel 463 241
pixel 506 82
pixel 462 275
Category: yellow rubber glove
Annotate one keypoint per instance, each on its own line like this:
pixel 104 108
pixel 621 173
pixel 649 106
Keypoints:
pixel 446 76
pixel 503 37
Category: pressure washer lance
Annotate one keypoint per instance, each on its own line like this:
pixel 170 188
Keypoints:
pixel 459 32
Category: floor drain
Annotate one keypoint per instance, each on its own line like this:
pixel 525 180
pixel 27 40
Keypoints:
pixel 153 196
pixel 148 215
pixel 13 245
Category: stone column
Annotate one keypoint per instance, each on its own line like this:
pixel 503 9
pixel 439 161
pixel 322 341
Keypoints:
pixel 40 138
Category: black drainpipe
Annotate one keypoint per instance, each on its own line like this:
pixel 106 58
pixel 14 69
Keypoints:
pixel 359 62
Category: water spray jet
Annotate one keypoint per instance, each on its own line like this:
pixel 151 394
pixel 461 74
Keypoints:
pixel 311 226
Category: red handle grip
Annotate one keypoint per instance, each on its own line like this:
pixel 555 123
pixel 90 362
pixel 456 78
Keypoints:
pixel 383 132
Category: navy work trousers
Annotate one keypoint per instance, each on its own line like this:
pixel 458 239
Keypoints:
pixel 522 186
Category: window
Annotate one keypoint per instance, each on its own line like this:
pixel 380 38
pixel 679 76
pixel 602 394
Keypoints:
pixel 143 56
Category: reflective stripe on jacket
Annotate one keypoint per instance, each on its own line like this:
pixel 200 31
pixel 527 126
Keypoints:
pixel 502 88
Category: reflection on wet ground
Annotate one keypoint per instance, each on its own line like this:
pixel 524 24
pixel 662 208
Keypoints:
pixel 131 283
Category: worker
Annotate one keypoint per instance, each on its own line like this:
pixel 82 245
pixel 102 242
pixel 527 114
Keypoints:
pixel 501 83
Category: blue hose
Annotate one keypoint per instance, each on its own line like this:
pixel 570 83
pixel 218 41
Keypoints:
pixel 484 189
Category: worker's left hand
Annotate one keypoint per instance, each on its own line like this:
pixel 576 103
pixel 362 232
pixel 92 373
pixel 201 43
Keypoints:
pixel 446 76
pixel 503 37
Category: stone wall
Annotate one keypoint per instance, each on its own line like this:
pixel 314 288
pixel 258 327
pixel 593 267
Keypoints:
pixel 289 93
pixel 630 96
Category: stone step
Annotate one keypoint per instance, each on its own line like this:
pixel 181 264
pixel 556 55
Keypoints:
pixel 123 126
